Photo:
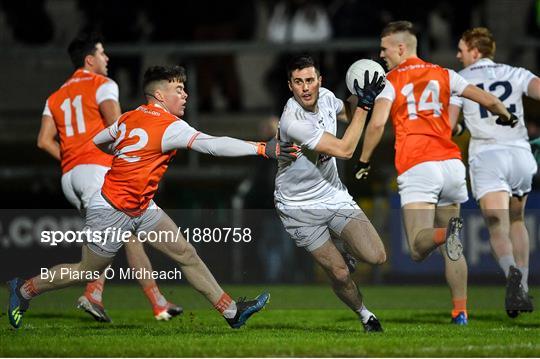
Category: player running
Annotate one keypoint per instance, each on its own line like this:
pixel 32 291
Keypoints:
pixel 431 176
pixel 311 201
pixel 501 165
pixel 143 142
pixel 83 106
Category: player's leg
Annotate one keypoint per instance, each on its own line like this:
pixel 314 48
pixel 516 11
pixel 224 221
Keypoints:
pixel 331 260
pixel 362 241
pixel 455 271
pixel 496 212
pixel 200 277
pixel 495 209
pixel 79 187
pixel 520 237
pixel 137 259
pixel 422 237
pixel 419 189
pixel 59 276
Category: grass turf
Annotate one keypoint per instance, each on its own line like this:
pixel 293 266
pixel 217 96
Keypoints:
pixel 299 321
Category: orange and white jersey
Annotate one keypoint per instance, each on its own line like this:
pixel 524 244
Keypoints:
pixel 420 94
pixel 143 142
pixel 75 111
pixel 139 162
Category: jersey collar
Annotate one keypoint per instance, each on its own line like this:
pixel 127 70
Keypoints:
pixel 482 61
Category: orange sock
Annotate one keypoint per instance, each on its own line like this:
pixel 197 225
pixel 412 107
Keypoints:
pixel 155 297
pixel 94 292
pixel 439 236
pixel 460 305
pixel 223 303
pixel 28 289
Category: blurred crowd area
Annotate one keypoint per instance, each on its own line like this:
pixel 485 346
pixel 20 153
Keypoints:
pixel 239 92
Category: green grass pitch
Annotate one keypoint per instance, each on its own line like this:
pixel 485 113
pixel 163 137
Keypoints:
pixel 299 321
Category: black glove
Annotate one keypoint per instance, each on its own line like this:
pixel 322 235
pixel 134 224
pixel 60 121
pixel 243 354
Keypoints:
pixel 512 122
pixel 367 95
pixel 361 170
pixel 278 150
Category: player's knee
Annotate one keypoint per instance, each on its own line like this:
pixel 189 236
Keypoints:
pixel 493 220
pixel 188 254
pixel 516 216
pixel 381 257
pixel 416 255
pixel 340 275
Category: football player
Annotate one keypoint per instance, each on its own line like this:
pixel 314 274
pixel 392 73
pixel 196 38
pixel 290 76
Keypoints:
pixel 83 106
pixel 431 176
pixel 143 142
pixel 501 165
pixel 312 202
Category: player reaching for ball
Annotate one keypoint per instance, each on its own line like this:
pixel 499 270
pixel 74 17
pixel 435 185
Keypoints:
pixel 431 176
pixel 143 142
pixel 311 201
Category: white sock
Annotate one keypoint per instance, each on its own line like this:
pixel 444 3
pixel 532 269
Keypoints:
pixel 364 314
pixel 231 310
pixel 505 262
pixel 524 278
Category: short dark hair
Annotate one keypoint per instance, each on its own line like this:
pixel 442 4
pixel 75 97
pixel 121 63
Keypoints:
pixel 395 27
pixel 163 73
pixel 482 39
pixel 83 45
pixel 300 62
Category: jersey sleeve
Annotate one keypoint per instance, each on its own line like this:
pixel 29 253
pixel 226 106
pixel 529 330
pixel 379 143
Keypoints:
pixel 303 132
pixel 456 101
pixel 107 91
pixel 525 77
pixel 388 92
pixel 337 104
pixel 47 110
pixel 179 135
pixel 457 83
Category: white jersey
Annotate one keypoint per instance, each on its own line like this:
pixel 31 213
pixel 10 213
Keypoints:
pixel 313 177
pixel 509 84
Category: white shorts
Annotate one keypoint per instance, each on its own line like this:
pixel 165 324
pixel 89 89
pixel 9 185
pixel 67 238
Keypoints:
pixel 439 182
pixel 100 215
pixel 310 226
pixel 81 182
pixel 510 170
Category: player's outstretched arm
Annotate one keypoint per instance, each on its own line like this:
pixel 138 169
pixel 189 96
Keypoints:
pixel 232 147
pixel 492 103
pixel 47 137
pixel 344 148
pixel 180 135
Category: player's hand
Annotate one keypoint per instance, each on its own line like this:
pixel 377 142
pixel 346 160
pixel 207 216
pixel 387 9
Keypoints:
pixel 512 122
pixel 367 95
pixel 459 129
pixel 278 150
pixel 361 170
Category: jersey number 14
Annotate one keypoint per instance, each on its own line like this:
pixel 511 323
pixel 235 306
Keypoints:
pixel 429 99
